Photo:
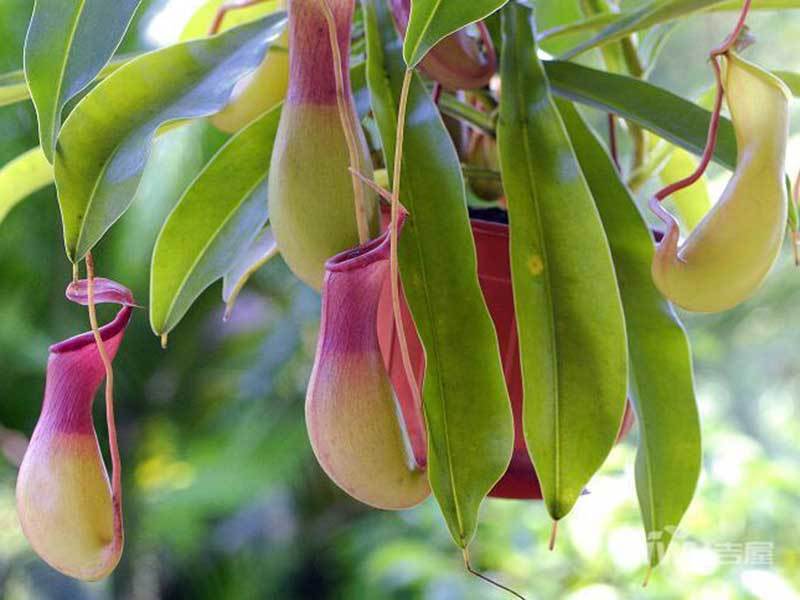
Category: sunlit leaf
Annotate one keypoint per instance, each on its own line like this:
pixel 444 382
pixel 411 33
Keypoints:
pixel 177 157
pixel 14 88
pixel 21 177
pixel 433 20
pixel 553 15
pixel 569 316
pixel 467 409
pixel 661 385
pixel 106 140
pixel 68 43
pixel 215 221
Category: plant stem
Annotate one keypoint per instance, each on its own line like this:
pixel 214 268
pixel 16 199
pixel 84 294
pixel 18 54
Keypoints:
pixel 713 128
pixel 113 446
pixel 394 235
pixel 348 125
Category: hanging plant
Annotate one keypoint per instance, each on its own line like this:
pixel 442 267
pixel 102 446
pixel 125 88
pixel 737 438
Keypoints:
pixel 499 330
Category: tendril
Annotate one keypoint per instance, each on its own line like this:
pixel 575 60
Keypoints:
pixel 113 446
pixel 394 270
pixel 225 9
pixel 713 128
pixel 348 125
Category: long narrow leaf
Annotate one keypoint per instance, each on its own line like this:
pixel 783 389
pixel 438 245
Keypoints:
pixel 467 408
pixel 68 43
pixel 105 142
pixel 667 115
pixel 662 11
pixel 569 316
pixel 669 456
pixel 215 221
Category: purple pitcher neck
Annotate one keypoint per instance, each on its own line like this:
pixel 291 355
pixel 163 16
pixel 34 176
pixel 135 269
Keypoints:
pixel 312 79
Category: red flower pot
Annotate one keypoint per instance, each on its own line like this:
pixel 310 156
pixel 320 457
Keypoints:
pixel 491 240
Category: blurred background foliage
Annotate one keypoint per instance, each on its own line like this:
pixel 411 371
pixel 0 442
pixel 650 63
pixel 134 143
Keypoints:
pixel 223 498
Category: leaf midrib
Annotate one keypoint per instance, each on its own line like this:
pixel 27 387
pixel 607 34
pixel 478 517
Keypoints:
pixel 645 449
pixel 57 101
pixel 526 138
pixel 123 140
pixel 204 250
pixel 389 93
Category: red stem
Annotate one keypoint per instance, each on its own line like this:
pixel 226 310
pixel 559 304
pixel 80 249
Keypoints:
pixel 713 128
pixel 225 9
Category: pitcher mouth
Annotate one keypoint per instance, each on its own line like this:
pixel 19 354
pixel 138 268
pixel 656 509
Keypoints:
pixel 362 256
pixel 107 332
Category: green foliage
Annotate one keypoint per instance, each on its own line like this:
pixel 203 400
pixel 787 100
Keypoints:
pixel 102 151
pixel 661 382
pixel 215 221
pixel 466 404
pixel 615 26
pixel 569 317
pixel 259 253
pixel 223 498
pixel 667 115
pixel 64 52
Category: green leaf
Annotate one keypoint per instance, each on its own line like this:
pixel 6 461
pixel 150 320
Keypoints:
pixel 217 219
pixel 433 20
pixel 105 142
pixel 263 249
pixel 466 404
pixel 669 458
pixel 569 320
pixel 651 14
pixel 21 177
pixel 13 87
pixel 177 157
pixel 654 13
pixel 553 15
pixel 68 43
pixel 669 116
